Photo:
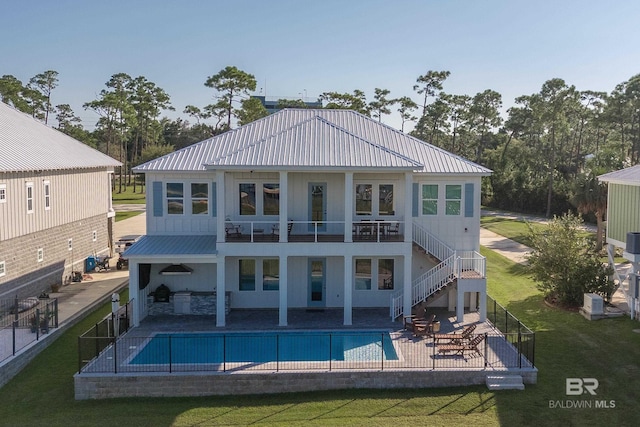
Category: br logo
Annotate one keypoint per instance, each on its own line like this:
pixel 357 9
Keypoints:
pixel 578 386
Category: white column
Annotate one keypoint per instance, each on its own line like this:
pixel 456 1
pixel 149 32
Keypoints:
pixel 348 207
pixel 282 291
pixel 408 207
pixel 406 285
pixel 220 292
pixel 284 208
pixel 134 293
pixel 460 307
pixel 348 289
pixel 483 306
pixel 221 210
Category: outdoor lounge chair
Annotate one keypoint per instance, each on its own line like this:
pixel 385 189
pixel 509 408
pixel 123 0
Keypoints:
pixel 460 349
pixel 456 338
pixel 422 327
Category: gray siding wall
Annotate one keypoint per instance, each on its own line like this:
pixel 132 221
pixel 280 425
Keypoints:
pixel 25 276
pixel 75 195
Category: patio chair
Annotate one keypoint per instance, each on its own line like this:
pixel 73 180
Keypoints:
pixel 457 338
pixel 232 230
pixel 460 349
pixel 423 327
pixel 393 229
pixel 275 230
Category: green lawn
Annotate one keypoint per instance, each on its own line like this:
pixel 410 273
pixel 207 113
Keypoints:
pixel 519 231
pixel 127 196
pixel 567 345
pixel 126 214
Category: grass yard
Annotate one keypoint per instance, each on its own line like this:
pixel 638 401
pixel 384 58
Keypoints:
pixel 567 345
pixel 127 196
pixel 126 214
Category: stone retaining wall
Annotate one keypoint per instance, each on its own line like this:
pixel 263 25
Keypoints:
pixel 100 386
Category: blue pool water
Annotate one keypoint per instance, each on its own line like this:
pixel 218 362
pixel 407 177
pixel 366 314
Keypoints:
pixel 189 348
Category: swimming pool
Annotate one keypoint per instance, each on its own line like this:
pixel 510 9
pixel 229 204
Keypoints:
pixel 295 346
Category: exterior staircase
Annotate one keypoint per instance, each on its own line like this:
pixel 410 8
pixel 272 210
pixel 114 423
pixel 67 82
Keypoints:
pixel 504 382
pixel 434 281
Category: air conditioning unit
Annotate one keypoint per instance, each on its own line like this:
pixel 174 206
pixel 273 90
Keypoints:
pixel 593 304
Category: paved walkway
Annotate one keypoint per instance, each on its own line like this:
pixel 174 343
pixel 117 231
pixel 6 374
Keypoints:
pixel 97 287
pixel 518 252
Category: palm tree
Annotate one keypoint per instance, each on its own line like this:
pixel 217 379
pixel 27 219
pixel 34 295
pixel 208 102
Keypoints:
pixel 590 195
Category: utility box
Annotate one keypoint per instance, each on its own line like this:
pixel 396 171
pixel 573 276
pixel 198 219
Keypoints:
pixel 182 303
pixel 633 242
pixel 593 304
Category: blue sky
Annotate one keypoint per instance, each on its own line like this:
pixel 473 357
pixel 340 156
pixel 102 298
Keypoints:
pixel 297 48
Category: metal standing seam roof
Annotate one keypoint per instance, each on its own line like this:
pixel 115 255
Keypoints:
pixel 27 145
pixel 183 246
pixel 314 142
pixel 315 138
pixel 629 176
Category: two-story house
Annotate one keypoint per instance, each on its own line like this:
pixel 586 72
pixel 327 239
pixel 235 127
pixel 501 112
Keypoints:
pixel 311 208
pixel 55 204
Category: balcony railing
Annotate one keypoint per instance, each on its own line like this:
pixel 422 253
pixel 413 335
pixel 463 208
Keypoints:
pixel 314 231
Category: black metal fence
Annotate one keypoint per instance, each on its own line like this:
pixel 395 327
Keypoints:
pixel 23 321
pixel 103 334
pixel 287 351
pixel 521 337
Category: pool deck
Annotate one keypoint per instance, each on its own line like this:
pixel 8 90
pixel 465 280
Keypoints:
pixel 419 363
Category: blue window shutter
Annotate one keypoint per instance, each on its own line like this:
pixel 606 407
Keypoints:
pixel 468 200
pixel 416 199
pixel 214 199
pixel 157 198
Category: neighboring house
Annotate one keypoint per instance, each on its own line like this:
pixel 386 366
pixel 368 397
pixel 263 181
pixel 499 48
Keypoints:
pixel 623 224
pixel 310 209
pixel 271 105
pixel 55 204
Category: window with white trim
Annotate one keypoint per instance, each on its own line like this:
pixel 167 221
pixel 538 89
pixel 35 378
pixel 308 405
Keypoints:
pixel 175 198
pixel 3 193
pixel 453 199
pixel 247 270
pixel 40 254
pixel 270 274
pixel 94 235
pixel 363 274
pixel 29 197
pixel 385 273
pixel 199 198
pixel 70 244
pixel 47 195
pixel 373 199
pixel 429 199
pixel 2 268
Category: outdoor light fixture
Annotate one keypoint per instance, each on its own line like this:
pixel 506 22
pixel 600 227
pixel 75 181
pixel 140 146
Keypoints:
pixel 176 269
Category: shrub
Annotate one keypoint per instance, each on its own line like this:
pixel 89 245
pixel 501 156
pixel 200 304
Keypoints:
pixel 566 264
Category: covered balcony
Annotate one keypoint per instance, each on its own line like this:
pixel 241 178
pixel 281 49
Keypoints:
pixel 374 231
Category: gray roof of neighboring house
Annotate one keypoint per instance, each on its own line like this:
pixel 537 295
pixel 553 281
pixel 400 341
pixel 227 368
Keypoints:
pixel 630 176
pixel 172 246
pixel 320 139
pixel 28 145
